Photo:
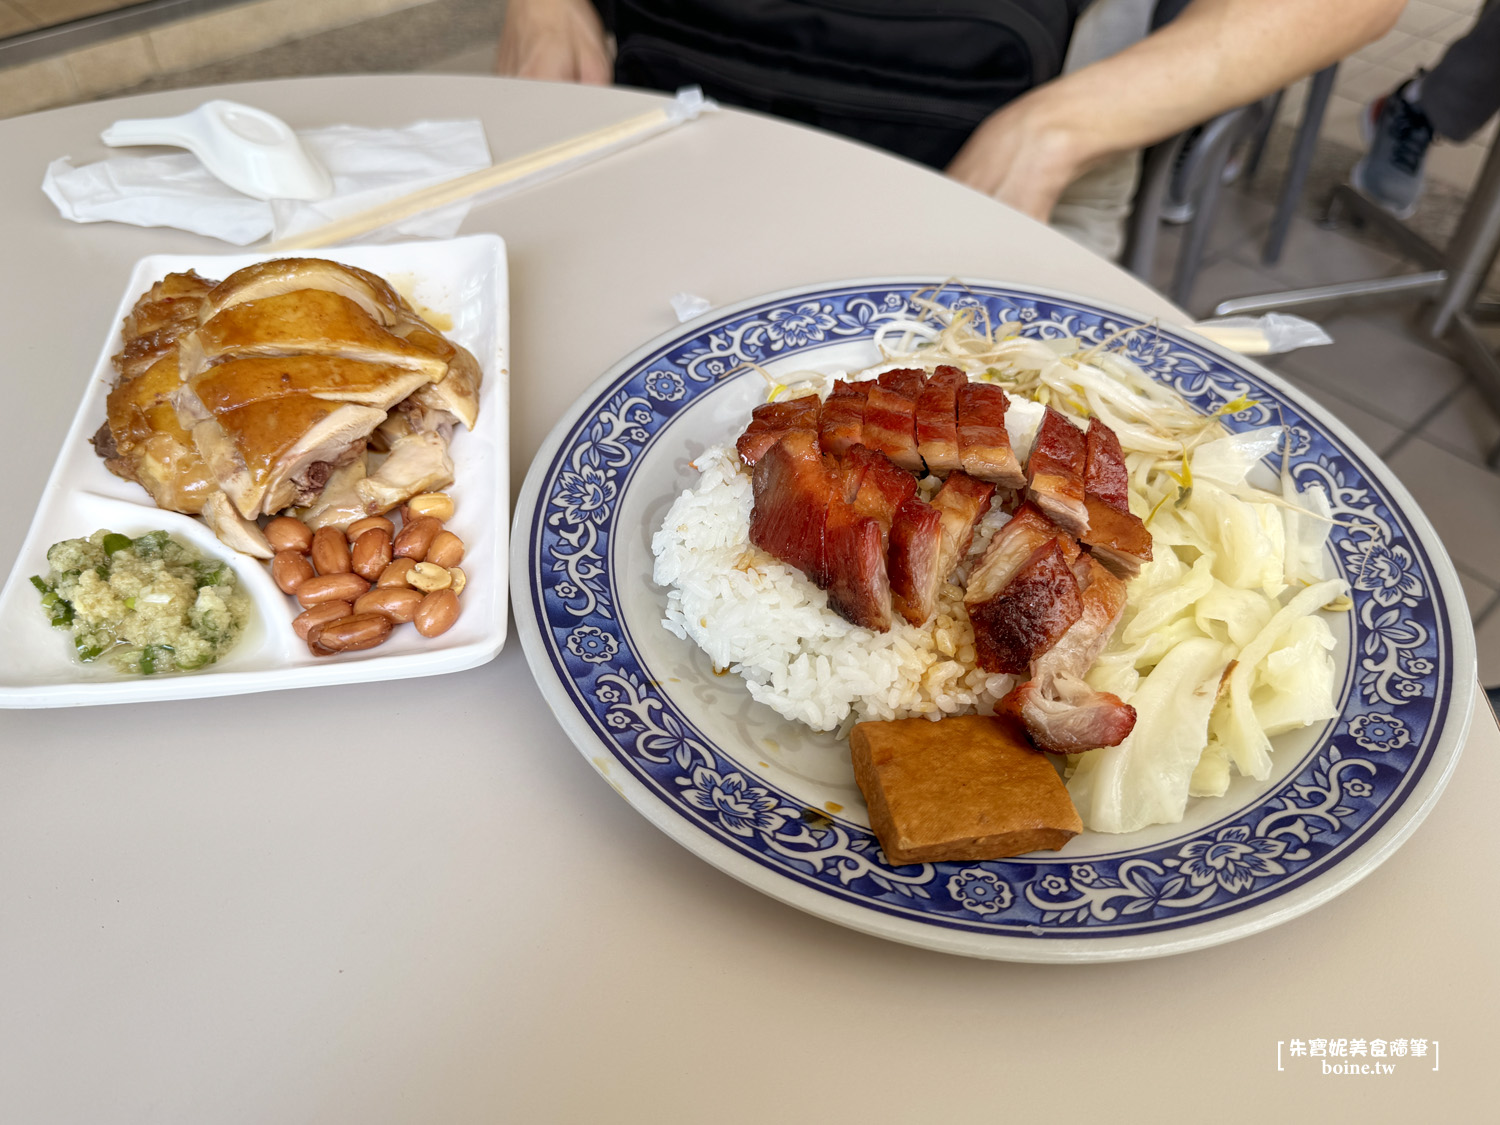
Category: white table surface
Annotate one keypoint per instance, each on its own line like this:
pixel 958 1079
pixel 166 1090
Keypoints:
pixel 419 903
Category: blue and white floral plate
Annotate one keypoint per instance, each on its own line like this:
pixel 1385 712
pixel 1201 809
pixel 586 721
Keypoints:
pixel 776 805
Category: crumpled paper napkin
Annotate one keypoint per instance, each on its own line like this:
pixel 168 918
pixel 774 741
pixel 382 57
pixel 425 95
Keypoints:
pixel 369 166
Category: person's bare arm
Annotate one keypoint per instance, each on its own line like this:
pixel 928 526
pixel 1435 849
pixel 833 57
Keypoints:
pixel 558 40
pixel 1218 54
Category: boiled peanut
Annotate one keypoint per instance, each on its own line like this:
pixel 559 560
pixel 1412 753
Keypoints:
pixel 330 551
pixel 396 602
pixel 359 527
pixel 396 574
pixel 459 579
pixel 287 534
pixel 329 588
pixel 437 613
pixel 438 505
pixel 349 634
pixel 446 549
pixel 371 553
pixel 427 577
pixel 320 614
pixel 289 570
pixel 415 538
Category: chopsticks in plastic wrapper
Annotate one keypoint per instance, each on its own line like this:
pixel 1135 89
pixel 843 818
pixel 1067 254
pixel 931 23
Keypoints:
pixel 1271 334
pixel 499 180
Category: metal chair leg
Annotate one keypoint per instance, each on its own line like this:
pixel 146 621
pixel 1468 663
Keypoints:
pixel 1263 134
pixel 1204 173
pixel 1145 216
pixel 1306 144
pixel 1474 245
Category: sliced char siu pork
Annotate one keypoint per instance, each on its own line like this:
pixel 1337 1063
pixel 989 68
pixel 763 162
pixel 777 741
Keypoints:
pixel 1029 616
pixel 875 486
pixel 962 502
pixel 1061 713
pixel 889 423
pixel 937 421
pixel 771 420
pixel 1072 719
pixel 859 589
pixel 915 560
pixel 832 522
pixel 1054 472
pixel 842 419
pixel 793 488
pixel 1023 596
pixel 887 496
pixel 983 441
pixel 1116 536
pixel 1025 531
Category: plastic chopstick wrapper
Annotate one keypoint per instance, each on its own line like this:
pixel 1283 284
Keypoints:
pixel 1271 334
pixel 514 175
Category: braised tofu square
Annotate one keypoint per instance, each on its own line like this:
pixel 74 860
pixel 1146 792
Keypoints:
pixel 963 788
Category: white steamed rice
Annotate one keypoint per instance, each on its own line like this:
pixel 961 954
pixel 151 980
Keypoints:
pixel 772 626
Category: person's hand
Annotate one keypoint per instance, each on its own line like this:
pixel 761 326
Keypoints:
pixel 556 40
pixel 1023 154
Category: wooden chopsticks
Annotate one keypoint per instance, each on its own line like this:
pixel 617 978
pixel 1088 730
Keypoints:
pixel 486 179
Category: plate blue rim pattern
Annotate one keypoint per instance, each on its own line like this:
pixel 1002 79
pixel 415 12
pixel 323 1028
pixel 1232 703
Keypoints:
pixel 1393 715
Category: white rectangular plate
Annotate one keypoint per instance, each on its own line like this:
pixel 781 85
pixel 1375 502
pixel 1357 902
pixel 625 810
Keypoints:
pixel 462 280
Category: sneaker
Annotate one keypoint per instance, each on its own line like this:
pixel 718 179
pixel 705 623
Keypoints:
pixel 1398 134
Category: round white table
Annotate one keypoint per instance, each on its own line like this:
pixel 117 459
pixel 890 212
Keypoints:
pixel 417 901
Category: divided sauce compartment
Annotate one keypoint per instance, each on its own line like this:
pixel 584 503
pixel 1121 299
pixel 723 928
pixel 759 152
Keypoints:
pixel 462 283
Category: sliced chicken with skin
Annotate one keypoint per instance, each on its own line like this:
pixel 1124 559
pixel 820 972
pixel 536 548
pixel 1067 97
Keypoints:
pixel 457 394
pixel 417 463
pixel 233 529
pixel 151 329
pixel 242 382
pixel 242 397
pixel 339 504
pixel 287 275
pixel 303 322
pixel 150 447
pixel 260 453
